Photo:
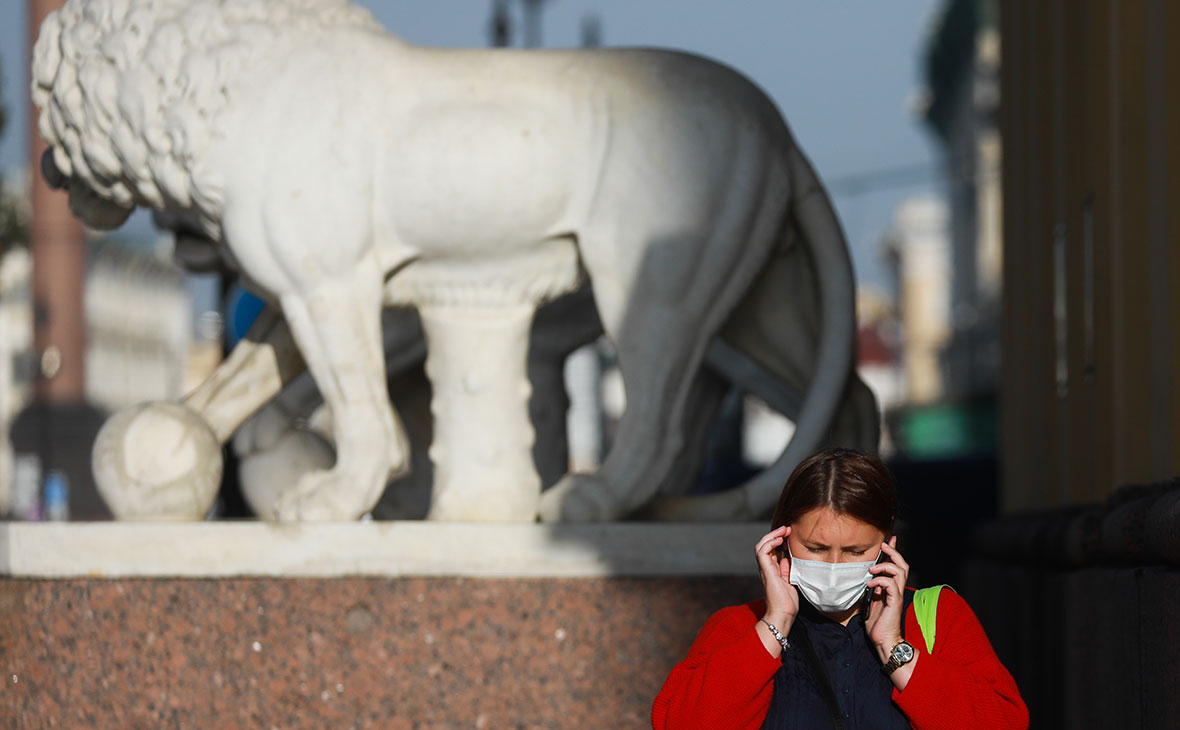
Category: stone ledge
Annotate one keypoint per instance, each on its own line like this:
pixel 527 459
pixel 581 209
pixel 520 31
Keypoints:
pixel 1137 525
pixel 381 549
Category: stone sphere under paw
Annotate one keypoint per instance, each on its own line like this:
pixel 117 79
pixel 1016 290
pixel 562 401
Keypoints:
pixel 157 461
pixel 267 473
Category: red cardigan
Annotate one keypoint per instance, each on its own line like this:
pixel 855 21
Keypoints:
pixel 727 679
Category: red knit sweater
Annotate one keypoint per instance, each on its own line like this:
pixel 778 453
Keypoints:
pixel 727 679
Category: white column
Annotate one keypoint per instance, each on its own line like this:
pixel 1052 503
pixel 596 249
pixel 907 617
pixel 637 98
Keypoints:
pixel 482 450
pixel 584 419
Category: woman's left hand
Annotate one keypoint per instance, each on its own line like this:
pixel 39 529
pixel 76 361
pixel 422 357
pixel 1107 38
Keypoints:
pixel 888 584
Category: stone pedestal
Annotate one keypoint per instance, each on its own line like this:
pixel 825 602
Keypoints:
pixel 469 633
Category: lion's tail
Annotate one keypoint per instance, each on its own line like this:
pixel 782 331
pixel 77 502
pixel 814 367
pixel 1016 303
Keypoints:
pixel 821 232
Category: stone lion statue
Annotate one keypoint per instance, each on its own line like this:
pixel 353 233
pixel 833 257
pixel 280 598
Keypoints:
pixel 342 171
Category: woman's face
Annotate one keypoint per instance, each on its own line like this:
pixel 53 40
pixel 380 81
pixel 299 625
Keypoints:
pixel 822 534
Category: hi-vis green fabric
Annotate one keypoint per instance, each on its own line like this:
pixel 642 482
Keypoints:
pixel 926 611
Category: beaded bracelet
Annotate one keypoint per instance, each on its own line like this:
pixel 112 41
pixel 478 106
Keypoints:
pixel 782 640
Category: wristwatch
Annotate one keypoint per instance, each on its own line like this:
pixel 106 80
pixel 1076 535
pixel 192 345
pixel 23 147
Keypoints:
pixel 902 653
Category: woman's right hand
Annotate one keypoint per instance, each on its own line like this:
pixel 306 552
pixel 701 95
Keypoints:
pixel 782 599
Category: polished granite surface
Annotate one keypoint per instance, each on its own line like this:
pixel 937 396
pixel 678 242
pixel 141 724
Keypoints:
pixel 346 652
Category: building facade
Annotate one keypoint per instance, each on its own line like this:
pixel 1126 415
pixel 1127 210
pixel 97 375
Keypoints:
pixel 1091 314
pixel 1077 584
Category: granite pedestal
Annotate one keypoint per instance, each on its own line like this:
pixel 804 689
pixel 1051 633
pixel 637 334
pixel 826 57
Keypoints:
pixel 489 627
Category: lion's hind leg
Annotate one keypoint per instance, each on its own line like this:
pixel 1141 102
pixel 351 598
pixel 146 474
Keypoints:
pixel 661 314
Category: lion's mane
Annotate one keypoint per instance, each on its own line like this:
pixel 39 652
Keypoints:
pixel 131 91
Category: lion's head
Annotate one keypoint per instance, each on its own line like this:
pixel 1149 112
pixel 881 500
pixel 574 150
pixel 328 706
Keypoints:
pixel 131 93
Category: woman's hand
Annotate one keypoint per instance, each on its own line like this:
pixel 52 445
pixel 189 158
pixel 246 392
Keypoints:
pixel 782 599
pixel 884 620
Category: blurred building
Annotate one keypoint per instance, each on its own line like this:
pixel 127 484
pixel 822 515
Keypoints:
pixel 935 415
pixel 877 356
pixel 946 256
pixel 962 106
pixel 16 318
pixel 142 342
pixel 16 332
pixel 138 327
pixel 916 248
pixel 16 347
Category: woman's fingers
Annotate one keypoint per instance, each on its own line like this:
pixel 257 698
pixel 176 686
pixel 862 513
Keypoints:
pixel 769 545
pixel 897 570
pixel 775 536
pixel 888 569
pixel 890 549
pixel 885 581
pixel 781 602
pixel 766 551
pixel 784 569
pixel 769 563
pixel 770 541
pixel 886 586
pixel 889 580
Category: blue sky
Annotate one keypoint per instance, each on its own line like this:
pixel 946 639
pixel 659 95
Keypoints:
pixel 841 71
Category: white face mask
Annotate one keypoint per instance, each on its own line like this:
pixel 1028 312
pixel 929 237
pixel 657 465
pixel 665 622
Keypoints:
pixel 831 587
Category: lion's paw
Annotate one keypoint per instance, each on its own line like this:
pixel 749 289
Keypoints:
pixel 266 474
pixel 322 496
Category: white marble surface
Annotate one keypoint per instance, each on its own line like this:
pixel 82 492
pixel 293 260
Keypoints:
pixel 386 549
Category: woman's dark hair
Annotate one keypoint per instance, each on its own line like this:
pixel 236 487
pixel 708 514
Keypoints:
pixel 849 482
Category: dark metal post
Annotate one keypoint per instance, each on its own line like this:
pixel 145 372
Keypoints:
pixel 500 28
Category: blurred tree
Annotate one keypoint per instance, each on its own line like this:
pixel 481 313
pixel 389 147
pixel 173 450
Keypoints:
pixel 13 221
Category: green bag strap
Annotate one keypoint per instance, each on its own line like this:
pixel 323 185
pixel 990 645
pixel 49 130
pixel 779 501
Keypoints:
pixel 925 604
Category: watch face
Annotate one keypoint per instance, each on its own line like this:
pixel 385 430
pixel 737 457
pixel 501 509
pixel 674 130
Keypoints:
pixel 903 652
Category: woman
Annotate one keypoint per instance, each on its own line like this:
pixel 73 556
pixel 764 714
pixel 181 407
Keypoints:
pixel 828 646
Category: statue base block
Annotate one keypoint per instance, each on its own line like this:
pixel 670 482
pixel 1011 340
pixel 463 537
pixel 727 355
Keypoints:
pixel 413 651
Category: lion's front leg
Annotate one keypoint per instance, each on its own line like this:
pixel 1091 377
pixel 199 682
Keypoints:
pixel 261 364
pixel 337 325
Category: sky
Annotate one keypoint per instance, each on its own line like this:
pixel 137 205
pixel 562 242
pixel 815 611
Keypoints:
pixel 843 72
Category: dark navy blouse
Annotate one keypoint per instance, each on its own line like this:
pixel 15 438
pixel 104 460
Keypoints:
pixel 863 692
